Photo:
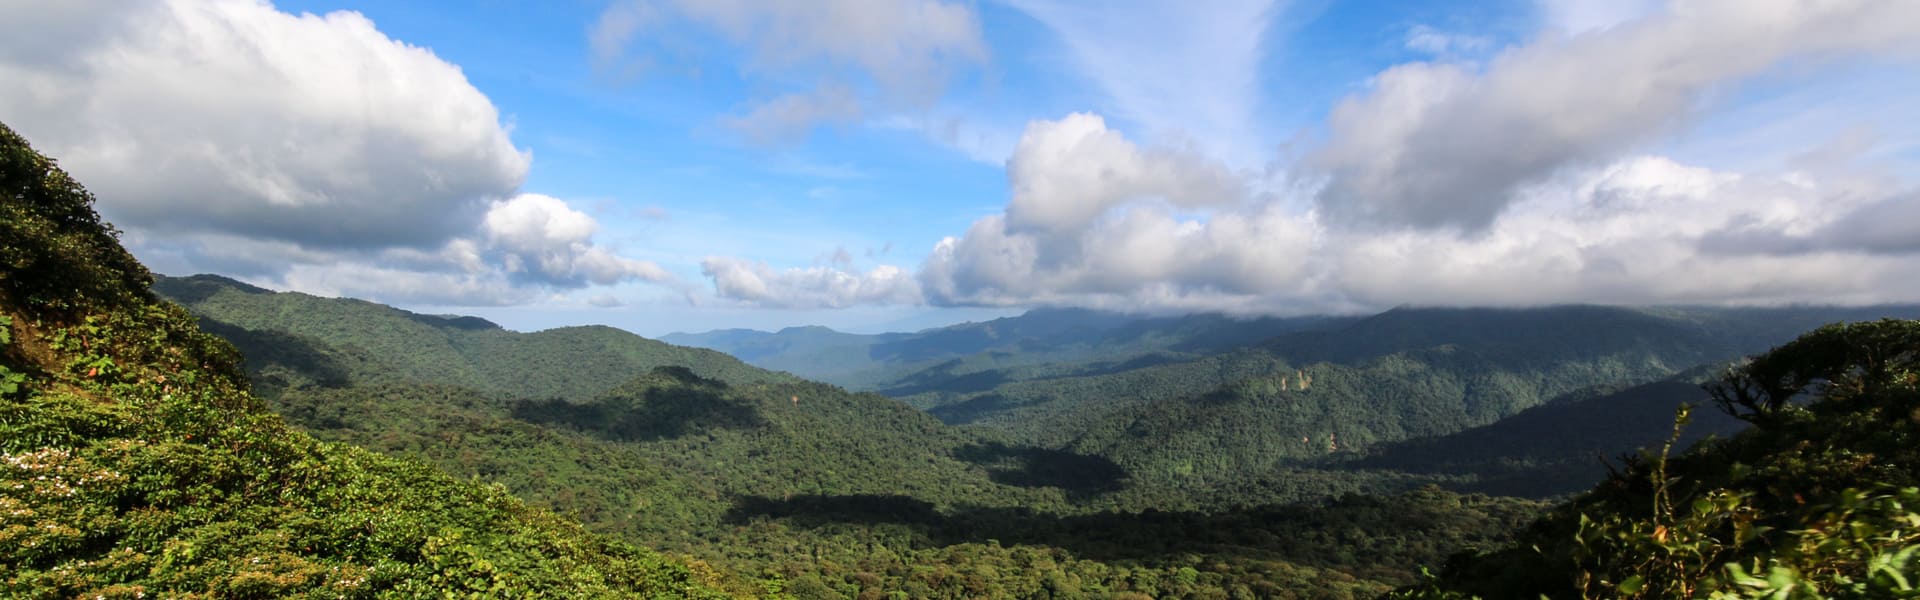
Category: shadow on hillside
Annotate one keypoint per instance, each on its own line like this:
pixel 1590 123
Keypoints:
pixel 195 289
pixel 1080 476
pixel 975 409
pixel 1559 448
pixel 277 360
pixel 940 378
pixel 1398 531
pixel 463 323
pixel 656 413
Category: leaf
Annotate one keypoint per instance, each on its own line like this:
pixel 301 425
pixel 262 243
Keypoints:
pixel 1632 585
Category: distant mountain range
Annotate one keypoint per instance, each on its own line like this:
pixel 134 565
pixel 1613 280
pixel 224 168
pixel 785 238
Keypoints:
pixel 1040 336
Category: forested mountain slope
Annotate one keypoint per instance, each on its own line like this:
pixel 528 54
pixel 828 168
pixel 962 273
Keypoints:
pixel 1439 370
pixel 943 358
pixel 1408 374
pixel 1558 448
pixel 295 339
pixel 880 496
pixel 134 462
pixel 1819 499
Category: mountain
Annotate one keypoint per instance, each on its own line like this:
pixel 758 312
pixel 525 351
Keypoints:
pixel 1453 368
pixel 1558 448
pixel 137 463
pixel 738 473
pixel 1816 500
pixel 296 339
pixel 933 357
pixel 872 489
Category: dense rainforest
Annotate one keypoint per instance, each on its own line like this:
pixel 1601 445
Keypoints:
pixel 1819 499
pixel 135 462
pixel 807 489
pixel 249 443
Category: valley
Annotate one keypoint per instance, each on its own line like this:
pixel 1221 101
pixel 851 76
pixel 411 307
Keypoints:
pixel 169 434
pixel 1302 452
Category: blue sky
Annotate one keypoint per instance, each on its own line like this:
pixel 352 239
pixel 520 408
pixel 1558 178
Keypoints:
pixel 664 165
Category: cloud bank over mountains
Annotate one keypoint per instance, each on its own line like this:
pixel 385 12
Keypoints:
pixel 1448 145
pixel 1523 180
pixel 319 154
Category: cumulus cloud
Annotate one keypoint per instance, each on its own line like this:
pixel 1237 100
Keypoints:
pixel 1643 230
pixel 907 50
pixel 1447 145
pixel 1096 220
pixel 229 116
pixel 811 287
pixel 301 151
pixel 1066 173
pixel 541 238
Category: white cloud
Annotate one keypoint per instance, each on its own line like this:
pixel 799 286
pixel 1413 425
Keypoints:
pixel 761 285
pixel 229 116
pixel 792 116
pixel 1575 17
pixel 1439 43
pixel 906 49
pixel 605 301
pixel 972 137
pixel 1639 230
pixel 1066 173
pixel 1444 145
pixel 377 280
pixel 1096 220
pixel 541 238
pixel 1644 230
pixel 1182 71
pixel 300 151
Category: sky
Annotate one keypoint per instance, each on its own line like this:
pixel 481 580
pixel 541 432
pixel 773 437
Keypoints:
pixel 880 165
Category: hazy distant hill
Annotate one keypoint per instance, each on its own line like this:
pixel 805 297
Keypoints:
pixel 1495 362
pixel 902 363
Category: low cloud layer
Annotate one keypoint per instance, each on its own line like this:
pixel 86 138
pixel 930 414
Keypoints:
pixel 304 151
pixel 1641 229
pixel 835 286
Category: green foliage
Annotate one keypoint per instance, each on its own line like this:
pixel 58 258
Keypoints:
pixel 1407 374
pixel 9 380
pixel 815 492
pixel 134 461
pixel 1555 449
pixel 299 340
pixel 1821 499
pixel 56 256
